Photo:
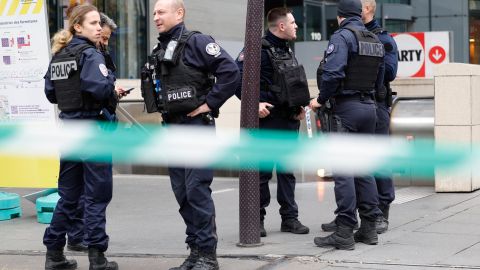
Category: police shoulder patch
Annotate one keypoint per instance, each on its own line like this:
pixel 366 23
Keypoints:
pixel 103 69
pixel 213 49
pixel 330 48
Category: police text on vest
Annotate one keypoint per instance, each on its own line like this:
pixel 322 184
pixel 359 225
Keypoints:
pixel 61 70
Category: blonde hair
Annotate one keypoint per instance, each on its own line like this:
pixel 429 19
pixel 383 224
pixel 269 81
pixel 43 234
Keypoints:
pixel 371 3
pixel 63 37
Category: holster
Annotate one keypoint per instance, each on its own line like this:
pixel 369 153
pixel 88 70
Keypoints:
pixel 329 122
pixel 390 94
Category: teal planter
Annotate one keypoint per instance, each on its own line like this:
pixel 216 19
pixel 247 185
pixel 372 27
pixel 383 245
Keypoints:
pixel 45 207
pixel 9 206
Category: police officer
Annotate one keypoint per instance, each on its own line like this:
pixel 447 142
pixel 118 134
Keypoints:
pixel 80 83
pixel 350 72
pixel 278 110
pixel 186 63
pixel 76 233
pixel 385 187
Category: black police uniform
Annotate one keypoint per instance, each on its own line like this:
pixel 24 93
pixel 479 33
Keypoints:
pixel 76 233
pixel 349 79
pixel 80 96
pixel 276 51
pixel 186 77
pixel 385 187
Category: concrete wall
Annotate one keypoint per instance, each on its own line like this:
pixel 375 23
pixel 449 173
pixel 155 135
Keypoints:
pixel 457 120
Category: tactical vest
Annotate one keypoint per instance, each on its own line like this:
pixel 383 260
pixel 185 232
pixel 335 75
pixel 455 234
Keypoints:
pixel 65 72
pixel 183 88
pixel 362 69
pixel 290 84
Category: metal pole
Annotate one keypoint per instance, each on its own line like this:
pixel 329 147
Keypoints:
pixel 249 179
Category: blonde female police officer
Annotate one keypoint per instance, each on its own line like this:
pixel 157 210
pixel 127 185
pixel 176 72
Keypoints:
pixel 80 83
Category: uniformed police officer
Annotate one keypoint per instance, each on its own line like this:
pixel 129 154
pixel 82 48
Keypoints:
pixel 385 187
pixel 76 233
pixel 80 83
pixel 186 63
pixel 279 110
pixel 350 72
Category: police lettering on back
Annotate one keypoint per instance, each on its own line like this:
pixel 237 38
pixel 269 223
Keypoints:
pixel 61 71
pixel 371 49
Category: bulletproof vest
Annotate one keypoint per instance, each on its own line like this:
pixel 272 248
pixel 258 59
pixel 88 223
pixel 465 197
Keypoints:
pixel 362 69
pixel 65 72
pixel 183 88
pixel 290 84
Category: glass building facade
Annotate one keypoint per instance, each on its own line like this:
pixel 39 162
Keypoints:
pixel 128 45
pixel 317 19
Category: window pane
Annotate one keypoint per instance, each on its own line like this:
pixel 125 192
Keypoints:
pixel 128 45
pixel 474 40
pixel 396 26
pixel 314 22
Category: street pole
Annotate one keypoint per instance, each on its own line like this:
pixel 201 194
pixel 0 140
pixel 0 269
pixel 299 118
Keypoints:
pixel 249 178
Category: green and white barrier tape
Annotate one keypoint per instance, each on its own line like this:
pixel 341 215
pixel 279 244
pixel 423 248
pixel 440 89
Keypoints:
pixel 200 147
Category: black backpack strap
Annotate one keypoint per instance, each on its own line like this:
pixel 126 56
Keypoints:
pixel 186 36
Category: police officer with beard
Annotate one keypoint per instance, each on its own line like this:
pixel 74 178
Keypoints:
pixel 186 64
pixel 283 92
pixel 349 74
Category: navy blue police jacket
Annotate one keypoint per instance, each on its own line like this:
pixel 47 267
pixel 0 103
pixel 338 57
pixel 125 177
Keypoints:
pixel 266 68
pixel 221 65
pixel 92 80
pixel 342 46
pixel 391 51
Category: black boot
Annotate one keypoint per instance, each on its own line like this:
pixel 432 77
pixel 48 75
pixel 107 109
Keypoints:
pixel 293 225
pixel 263 232
pixel 99 262
pixel 190 261
pixel 55 260
pixel 77 247
pixel 342 238
pixel 367 233
pixel 332 226
pixel 382 221
pixel 206 261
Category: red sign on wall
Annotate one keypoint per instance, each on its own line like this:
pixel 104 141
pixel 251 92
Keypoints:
pixel 413 49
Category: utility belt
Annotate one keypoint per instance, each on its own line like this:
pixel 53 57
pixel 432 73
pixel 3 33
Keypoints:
pixel 353 97
pixel 171 118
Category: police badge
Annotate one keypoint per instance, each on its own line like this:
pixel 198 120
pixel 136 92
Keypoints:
pixel 213 49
